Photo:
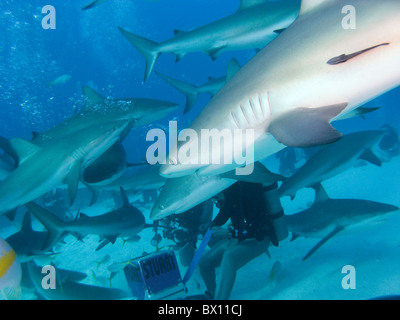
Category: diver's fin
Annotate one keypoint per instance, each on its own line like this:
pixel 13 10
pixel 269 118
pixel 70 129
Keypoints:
pixel 322 241
pixel 369 156
pixel 149 49
pixel 307 127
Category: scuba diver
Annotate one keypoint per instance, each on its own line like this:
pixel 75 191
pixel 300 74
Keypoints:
pixel 186 229
pixel 256 217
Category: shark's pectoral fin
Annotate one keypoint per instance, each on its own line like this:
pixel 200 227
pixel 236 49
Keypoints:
pixel 72 180
pixel 307 127
pixel 369 156
pixel 294 237
pixel 215 52
pixel 102 244
pixel 322 241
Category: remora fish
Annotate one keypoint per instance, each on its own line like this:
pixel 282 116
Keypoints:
pixel 123 222
pixel 332 160
pixel 41 169
pixel 181 194
pixel 328 216
pixel 254 25
pixel 288 93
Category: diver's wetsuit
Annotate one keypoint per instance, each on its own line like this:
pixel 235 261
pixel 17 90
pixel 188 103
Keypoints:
pixel 244 204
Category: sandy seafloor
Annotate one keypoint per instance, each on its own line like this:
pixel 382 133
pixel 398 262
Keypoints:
pixel 373 250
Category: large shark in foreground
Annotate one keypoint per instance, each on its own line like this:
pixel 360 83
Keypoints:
pixel 327 217
pixel 332 160
pixel 123 222
pixel 254 25
pixel 41 169
pixel 314 72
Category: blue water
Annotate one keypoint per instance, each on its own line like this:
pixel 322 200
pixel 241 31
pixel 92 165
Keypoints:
pixel 88 46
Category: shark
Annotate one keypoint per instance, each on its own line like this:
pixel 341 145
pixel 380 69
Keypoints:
pixel 333 159
pixel 68 288
pixel 145 179
pixel 43 168
pixel 252 26
pixel 122 222
pixel 60 80
pixel 181 194
pixel 290 92
pixel 98 110
pixel 327 217
pixel 211 87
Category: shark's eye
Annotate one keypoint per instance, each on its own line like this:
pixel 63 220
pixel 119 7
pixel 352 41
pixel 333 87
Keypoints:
pixel 173 161
pixel 161 207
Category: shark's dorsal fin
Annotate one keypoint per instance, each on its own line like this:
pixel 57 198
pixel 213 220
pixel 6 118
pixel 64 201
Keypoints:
pixel 125 199
pixel 24 149
pixel 244 4
pixel 320 193
pixel 310 5
pixel 93 98
pixel 369 156
pixel 26 223
pixel 233 68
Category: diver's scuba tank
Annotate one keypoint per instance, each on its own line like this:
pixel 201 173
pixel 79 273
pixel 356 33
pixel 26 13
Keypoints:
pixel 275 212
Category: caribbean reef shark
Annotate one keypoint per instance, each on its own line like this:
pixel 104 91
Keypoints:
pixel 43 168
pixel 123 222
pixel 211 87
pixel 145 179
pixel 290 92
pixel 181 194
pixel 327 217
pixel 98 110
pixel 254 25
pixel 333 159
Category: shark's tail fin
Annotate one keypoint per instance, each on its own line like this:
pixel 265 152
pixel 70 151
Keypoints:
pixel 189 90
pixel 53 224
pixel 149 49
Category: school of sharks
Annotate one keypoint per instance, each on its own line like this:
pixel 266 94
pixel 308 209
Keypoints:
pixel 314 69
